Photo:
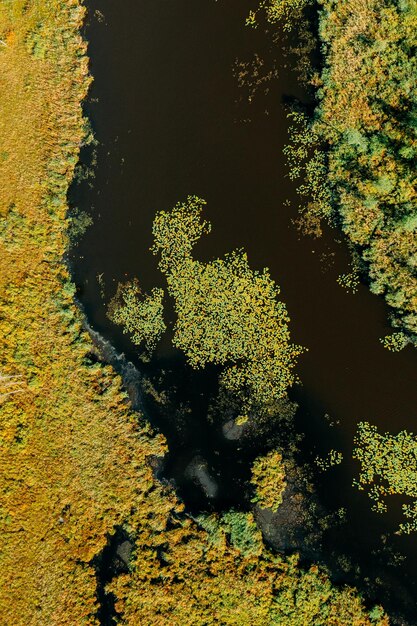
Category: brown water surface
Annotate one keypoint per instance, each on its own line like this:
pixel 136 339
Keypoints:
pixel 173 118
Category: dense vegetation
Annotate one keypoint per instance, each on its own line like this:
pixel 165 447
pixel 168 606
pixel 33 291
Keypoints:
pixel 268 479
pixel 72 460
pixel 356 158
pixel 360 147
pixel 360 170
pixel 142 316
pixel 195 578
pixel 75 462
pixel 225 576
pixel 227 314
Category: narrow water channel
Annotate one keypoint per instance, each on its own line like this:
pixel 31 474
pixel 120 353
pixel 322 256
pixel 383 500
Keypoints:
pixel 187 100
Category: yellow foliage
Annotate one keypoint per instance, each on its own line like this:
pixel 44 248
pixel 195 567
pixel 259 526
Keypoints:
pixel 73 459
pixel 227 314
pixel 366 115
pixel 268 479
pixel 72 462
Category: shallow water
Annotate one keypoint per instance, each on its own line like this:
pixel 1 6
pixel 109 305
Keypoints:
pixel 172 118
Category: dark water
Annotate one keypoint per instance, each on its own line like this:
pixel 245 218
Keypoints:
pixel 173 118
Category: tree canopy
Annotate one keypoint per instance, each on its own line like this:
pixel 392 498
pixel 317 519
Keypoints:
pixel 268 479
pixel 359 169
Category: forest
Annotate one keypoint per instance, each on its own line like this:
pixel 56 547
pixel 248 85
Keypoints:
pixel 80 465
pixel 355 156
pixel 359 146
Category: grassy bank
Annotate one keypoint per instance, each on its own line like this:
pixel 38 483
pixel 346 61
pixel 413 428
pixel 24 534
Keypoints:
pixel 71 456
pixel 74 462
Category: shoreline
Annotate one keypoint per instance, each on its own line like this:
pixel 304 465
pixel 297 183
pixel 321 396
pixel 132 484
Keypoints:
pixel 76 462
pixel 68 438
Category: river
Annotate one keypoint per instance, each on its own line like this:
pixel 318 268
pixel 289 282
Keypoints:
pixel 188 100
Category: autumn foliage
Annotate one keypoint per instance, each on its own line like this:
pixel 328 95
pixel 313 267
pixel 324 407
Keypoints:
pixel 74 461
pixel 359 147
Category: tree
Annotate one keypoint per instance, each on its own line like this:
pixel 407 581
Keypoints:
pixel 359 173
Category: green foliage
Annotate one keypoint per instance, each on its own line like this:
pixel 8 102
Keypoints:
pixel 366 123
pixel 142 316
pixel 211 523
pixel 244 533
pixel 177 231
pixel 307 160
pixel 395 342
pixel 268 479
pixel 183 575
pixel 388 466
pixel 333 458
pixel 79 222
pixel 75 462
pixel 311 601
pixel 227 314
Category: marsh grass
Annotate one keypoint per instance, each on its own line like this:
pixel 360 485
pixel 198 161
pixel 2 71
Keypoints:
pixel 71 459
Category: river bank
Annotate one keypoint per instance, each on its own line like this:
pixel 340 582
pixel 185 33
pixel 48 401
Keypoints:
pixel 212 120
pixel 76 463
pixel 68 439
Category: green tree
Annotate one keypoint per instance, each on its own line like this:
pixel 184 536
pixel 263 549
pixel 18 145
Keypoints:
pixel 358 172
